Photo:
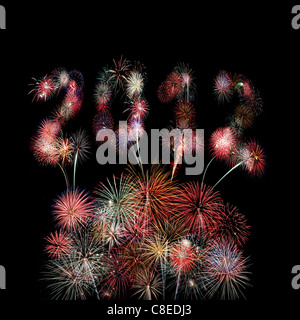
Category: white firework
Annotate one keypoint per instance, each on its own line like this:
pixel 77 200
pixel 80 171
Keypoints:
pixel 134 84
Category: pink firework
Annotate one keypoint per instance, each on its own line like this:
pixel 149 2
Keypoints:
pixel 49 129
pixel 72 209
pixel 223 143
pixel 59 244
pixel 139 109
pixel 45 150
pixel 44 89
pixel 253 158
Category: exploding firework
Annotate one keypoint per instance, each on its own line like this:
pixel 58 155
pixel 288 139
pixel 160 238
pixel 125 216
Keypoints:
pixel 61 78
pixel 199 207
pixel 170 88
pixel 65 149
pixel 44 89
pixel 243 117
pixel 115 275
pixel 119 200
pixel 103 94
pixel 120 72
pixel 74 276
pixel 103 120
pixel 233 226
pixel 252 157
pixel 184 112
pixel 154 191
pixel 223 86
pixel 72 209
pixel 183 256
pixel 139 109
pixel 45 150
pixel 81 145
pixel 59 244
pixel 134 84
pixel 226 270
pixel 187 77
pixel 223 143
pixel 147 285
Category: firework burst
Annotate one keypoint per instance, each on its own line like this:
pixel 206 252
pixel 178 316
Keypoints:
pixel 233 226
pixel 72 209
pixel 223 143
pixel 59 244
pixel 44 89
pixel 134 84
pixel 199 207
pixel 119 200
pixel 154 191
pixel 147 285
pixel 253 158
pixel 223 86
pixel 226 270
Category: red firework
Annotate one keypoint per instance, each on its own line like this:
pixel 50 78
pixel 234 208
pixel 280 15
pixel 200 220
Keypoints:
pixel 233 226
pixel 116 277
pixel 71 105
pixel 72 209
pixel 170 88
pixel 183 256
pixel 253 157
pixel 102 107
pixel 44 89
pixel 103 120
pixel 223 143
pixel 199 208
pixel 59 244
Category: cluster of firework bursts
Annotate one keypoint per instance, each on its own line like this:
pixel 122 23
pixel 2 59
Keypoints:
pixel 145 234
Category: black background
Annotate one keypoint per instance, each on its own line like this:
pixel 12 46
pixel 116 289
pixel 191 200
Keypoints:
pixel 253 39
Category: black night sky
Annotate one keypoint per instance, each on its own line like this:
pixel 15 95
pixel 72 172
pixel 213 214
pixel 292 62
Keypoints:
pixel 256 41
